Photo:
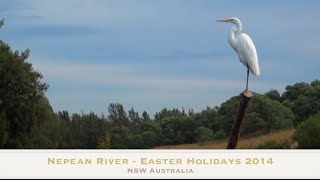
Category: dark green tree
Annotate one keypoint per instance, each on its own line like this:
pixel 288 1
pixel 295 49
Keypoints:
pixel 274 95
pixel 206 117
pixel 303 99
pixel 172 130
pixel 135 141
pixel 308 133
pixel 66 133
pixel 117 115
pixel 145 116
pixel 120 137
pixel 46 132
pixel 26 117
pixel 134 118
pixel 203 134
pixel 151 133
pixel 264 115
pixel 4 132
pixel 169 113
pixel 294 91
pixel 86 130
pixel 1 22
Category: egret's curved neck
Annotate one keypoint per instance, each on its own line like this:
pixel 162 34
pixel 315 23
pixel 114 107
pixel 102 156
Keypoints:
pixel 232 33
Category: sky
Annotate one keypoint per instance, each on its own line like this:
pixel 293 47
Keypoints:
pixel 152 54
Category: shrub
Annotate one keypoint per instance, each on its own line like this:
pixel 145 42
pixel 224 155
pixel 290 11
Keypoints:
pixel 264 115
pixel 203 134
pixel 104 143
pixel 219 135
pixel 308 133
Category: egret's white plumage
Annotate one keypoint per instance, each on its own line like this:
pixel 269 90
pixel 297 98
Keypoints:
pixel 244 46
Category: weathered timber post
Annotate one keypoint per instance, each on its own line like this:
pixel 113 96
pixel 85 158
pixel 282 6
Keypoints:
pixel 245 98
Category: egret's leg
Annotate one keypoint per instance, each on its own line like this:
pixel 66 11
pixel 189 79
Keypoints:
pixel 247 79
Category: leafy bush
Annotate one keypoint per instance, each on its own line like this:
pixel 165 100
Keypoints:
pixel 303 99
pixel 149 139
pixel 273 94
pixel 264 115
pixel 203 134
pixel 219 135
pixel 105 142
pixel 135 142
pixel 308 133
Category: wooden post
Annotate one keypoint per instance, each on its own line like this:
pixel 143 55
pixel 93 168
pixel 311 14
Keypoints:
pixel 245 98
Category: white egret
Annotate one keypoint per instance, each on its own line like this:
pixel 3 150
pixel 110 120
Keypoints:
pixel 244 46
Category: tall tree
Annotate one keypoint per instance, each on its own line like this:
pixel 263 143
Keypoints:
pixel 1 23
pixel 134 117
pixel 303 99
pixel 145 116
pixel 117 115
pixel 274 95
pixel 24 110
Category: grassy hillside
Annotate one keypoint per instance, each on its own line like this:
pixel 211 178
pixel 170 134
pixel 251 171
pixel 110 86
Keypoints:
pixel 244 143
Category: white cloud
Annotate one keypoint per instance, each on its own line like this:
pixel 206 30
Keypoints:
pixel 91 87
pixel 141 75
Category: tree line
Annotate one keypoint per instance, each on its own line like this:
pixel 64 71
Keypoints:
pixel 27 119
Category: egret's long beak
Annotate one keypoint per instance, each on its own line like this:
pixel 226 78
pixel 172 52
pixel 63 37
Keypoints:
pixel 223 20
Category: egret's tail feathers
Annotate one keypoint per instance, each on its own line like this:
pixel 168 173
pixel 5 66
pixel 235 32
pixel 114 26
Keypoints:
pixel 255 71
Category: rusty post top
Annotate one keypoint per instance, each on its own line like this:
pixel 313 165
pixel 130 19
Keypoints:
pixel 247 93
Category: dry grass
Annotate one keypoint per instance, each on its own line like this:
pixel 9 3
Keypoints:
pixel 244 143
